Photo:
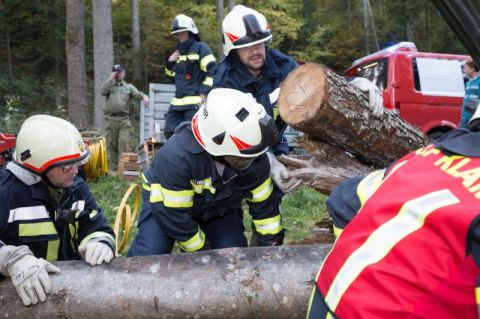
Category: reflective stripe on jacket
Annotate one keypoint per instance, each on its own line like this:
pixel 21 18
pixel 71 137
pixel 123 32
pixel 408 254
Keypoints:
pixel 185 188
pixel 27 217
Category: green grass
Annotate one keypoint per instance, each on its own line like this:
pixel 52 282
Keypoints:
pixel 300 210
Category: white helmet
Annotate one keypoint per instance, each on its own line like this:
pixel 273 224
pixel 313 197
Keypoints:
pixel 183 23
pixel 46 141
pixel 231 122
pixel 244 27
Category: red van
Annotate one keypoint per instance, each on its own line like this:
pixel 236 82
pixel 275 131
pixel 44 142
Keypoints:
pixel 425 89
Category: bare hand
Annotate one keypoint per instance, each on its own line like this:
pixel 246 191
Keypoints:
pixel 174 56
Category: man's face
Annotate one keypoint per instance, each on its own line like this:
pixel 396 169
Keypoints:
pixel 119 76
pixel 253 57
pixel 183 36
pixel 62 176
pixel 240 163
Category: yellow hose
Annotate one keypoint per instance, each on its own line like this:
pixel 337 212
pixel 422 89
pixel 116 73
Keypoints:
pixel 126 218
pixel 97 165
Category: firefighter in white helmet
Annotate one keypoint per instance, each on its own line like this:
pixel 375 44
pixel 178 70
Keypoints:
pixel 192 66
pixel 193 192
pixel 251 67
pixel 47 212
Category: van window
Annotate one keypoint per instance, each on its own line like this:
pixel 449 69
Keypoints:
pixel 376 71
pixel 438 77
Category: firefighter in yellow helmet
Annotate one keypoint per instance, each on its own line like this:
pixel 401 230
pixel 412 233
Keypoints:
pixel 47 212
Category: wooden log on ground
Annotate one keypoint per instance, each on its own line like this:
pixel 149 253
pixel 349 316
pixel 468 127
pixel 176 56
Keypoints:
pixel 325 106
pixel 264 282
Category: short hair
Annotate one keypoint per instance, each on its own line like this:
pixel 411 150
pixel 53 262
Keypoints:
pixel 473 65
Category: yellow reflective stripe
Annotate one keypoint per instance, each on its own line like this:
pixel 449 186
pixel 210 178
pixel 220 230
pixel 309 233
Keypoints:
pixel 156 193
pixel 409 219
pixel 52 250
pixel 93 214
pixel 205 61
pixel 191 57
pixel 369 185
pixel 199 186
pixel 272 225
pixel 98 234
pixel 169 73
pixel 173 199
pixel 337 231
pixel 36 229
pixel 477 296
pixel 262 192
pixel 186 100
pixel 208 81
pixel 193 244
pixel 276 112
pixel 145 183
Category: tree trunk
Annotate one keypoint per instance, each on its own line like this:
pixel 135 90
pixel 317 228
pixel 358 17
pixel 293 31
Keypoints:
pixel 102 55
pixel 230 5
pixel 136 67
pixel 267 282
pixel 220 14
pixel 325 106
pixel 75 48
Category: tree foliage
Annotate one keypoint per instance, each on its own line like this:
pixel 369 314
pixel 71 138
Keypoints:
pixel 332 32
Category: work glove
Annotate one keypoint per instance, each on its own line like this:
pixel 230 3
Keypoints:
pixel 375 99
pixel 281 176
pixel 30 277
pixel 95 252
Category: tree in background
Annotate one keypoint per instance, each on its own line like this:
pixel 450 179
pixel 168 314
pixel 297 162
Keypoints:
pixel 75 48
pixel 331 32
pixel 103 55
pixel 136 63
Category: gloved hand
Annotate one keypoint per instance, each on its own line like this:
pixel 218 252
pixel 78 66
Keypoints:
pixel 30 277
pixel 375 99
pixel 281 176
pixel 95 252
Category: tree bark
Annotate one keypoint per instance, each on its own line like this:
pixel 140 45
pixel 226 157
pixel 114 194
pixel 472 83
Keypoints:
pixel 326 107
pixel 75 48
pixel 136 68
pixel 102 55
pixel 220 14
pixel 328 166
pixel 267 282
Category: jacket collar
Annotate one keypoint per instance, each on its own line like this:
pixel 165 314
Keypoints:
pixel 23 174
pixel 460 141
pixel 183 47
pixel 184 135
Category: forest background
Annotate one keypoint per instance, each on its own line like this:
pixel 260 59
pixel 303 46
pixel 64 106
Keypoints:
pixel 35 37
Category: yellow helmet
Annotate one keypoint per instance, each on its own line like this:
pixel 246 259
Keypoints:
pixel 46 141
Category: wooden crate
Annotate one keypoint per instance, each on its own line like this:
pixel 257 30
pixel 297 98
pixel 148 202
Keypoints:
pixel 129 167
pixel 146 152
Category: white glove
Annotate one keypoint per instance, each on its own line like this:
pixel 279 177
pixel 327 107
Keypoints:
pixel 95 253
pixel 281 176
pixel 30 277
pixel 375 99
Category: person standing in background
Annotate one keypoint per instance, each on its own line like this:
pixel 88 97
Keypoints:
pixel 118 95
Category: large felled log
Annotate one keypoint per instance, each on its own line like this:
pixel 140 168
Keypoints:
pixel 324 105
pixel 270 282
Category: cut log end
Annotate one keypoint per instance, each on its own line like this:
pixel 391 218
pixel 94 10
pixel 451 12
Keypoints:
pixel 303 93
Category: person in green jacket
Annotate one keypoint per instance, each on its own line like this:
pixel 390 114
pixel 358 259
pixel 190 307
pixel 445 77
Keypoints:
pixel 118 95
